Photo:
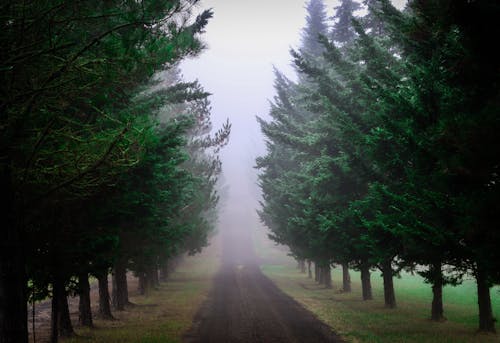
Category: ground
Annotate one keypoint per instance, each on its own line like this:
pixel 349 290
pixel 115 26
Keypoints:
pixel 361 321
pixel 245 306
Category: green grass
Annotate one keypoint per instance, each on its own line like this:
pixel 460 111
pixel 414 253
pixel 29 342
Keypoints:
pixel 164 315
pixel 370 321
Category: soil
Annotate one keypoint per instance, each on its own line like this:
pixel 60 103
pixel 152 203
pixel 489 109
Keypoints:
pixel 246 306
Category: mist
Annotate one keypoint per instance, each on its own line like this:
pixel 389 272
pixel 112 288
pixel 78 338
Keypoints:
pixel 245 41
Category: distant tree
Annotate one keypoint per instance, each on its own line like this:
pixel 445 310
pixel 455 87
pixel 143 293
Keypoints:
pixel 316 25
pixel 343 31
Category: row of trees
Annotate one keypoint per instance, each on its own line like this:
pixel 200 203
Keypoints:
pixel 384 154
pixel 106 158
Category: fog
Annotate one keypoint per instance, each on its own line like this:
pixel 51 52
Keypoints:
pixel 245 39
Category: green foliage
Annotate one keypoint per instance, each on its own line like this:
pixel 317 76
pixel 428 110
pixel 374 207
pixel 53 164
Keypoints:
pixel 392 157
pixel 90 170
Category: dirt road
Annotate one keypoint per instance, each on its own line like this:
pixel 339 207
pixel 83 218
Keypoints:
pixel 245 306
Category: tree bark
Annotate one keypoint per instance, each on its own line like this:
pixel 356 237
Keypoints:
pixel 366 284
pixel 104 301
pixel 84 309
pixel 302 265
pixel 154 276
pixel 316 272
pixel 327 276
pixel 309 272
pixel 164 271
pixel 346 278
pixel 486 319
pixel 60 319
pixel 321 275
pixel 120 291
pixel 389 295
pixel 437 311
pixel 65 326
pixel 141 284
pixel 13 293
pixel 54 322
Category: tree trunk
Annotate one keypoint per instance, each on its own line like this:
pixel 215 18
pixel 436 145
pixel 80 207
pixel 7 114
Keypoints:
pixel 389 295
pixel 104 306
pixel 13 298
pixel 120 291
pixel 60 319
pixel 164 271
pixel 321 275
pixel 366 284
pixel 154 277
pixel 437 292
pixel 346 278
pixel 65 326
pixel 327 276
pixel 141 285
pixel 309 272
pixel 84 309
pixel 486 320
pixel 302 264
pixel 54 322
pixel 316 272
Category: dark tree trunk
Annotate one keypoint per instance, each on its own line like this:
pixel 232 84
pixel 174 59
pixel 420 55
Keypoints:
pixel 65 326
pixel 60 320
pixel 54 322
pixel 316 272
pixel 346 278
pixel 389 295
pixel 148 281
pixel 366 284
pixel 309 272
pixel 142 284
pixel 120 290
pixel 13 298
pixel 164 271
pixel 327 276
pixel 84 309
pixel 437 312
pixel 321 275
pixel 154 277
pixel 486 319
pixel 302 264
pixel 104 303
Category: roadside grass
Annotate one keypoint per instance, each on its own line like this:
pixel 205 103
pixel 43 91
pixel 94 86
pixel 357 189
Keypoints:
pixel 368 321
pixel 165 314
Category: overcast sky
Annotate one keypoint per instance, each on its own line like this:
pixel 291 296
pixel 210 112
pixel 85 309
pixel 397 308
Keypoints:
pixel 244 40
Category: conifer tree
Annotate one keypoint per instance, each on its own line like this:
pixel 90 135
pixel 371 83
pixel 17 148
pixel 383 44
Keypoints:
pixel 315 26
pixel 343 31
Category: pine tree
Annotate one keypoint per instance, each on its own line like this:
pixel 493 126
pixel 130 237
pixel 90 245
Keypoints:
pixel 315 26
pixel 342 31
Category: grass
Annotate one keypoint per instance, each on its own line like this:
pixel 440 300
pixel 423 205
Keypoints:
pixel 361 321
pixel 164 315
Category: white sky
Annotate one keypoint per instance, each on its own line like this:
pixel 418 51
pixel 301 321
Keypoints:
pixel 244 40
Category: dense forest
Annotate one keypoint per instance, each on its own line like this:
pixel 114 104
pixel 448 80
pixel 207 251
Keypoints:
pixel 384 153
pixel 108 158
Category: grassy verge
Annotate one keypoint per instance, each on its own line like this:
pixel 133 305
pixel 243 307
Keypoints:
pixel 361 321
pixel 164 315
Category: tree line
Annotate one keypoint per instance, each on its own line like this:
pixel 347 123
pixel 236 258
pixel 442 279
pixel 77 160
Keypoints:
pixel 107 159
pixel 384 154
